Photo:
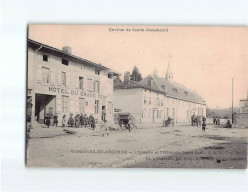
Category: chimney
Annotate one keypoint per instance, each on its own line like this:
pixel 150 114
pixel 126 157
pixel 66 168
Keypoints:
pixel 126 79
pixel 66 49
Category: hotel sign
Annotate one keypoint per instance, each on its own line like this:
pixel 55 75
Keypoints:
pixel 76 92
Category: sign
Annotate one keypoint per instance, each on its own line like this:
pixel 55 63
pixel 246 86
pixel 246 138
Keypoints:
pixel 76 92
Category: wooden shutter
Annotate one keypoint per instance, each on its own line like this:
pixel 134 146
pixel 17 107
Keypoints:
pixel 39 74
pixel 76 82
pixel 71 105
pixel 58 104
pixel 77 105
pixel 59 79
pixel 53 76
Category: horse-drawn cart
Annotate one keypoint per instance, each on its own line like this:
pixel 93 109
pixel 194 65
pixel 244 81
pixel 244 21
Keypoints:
pixel 125 120
pixel 169 121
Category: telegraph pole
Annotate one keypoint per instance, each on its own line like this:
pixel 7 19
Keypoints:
pixel 232 100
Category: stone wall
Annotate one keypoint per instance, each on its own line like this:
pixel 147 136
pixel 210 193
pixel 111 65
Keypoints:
pixel 241 120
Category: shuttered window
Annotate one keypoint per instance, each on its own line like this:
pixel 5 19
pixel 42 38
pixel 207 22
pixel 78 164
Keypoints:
pixel 45 75
pixel 65 104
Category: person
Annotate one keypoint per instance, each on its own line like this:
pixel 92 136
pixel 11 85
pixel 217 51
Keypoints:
pixel 203 123
pixel 214 120
pixel 81 120
pixel 105 128
pixel 70 121
pixel 48 118
pixel 86 120
pixel 64 121
pixel 77 120
pixel 228 124
pixel 218 121
pixel 92 122
pixel 55 120
pixel 130 125
pixel 104 114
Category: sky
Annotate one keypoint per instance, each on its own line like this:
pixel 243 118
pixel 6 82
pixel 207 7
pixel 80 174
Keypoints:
pixel 203 59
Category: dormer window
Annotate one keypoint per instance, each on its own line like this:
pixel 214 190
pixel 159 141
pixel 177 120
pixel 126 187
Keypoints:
pixel 110 76
pixel 186 93
pixel 65 61
pixel 174 90
pixel 163 87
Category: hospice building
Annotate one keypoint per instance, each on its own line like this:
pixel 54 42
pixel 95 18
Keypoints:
pixel 60 83
pixel 155 98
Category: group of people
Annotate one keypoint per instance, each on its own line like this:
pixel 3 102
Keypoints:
pixel 79 120
pixel 216 121
pixel 199 120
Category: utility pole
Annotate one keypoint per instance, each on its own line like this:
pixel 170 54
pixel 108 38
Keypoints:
pixel 232 99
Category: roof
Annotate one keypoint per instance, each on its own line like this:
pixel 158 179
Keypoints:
pixel 134 84
pixel 61 52
pixel 174 89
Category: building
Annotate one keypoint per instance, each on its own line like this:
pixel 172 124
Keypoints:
pixel 154 99
pixel 243 105
pixel 60 83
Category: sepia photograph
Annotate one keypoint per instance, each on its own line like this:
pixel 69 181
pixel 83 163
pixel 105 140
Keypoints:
pixel 133 96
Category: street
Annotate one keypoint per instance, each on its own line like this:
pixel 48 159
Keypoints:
pixel 182 146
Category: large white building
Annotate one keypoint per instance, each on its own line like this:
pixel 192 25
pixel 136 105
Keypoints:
pixel 60 83
pixel 154 99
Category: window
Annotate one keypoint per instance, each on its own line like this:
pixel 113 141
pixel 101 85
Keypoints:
pixel 45 57
pixel 174 90
pixel 150 100
pixel 157 102
pixel 63 78
pixel 97 72
pixel 163 87
pixel 81 105
pixel 144 113
pixel 65 62
pixel 173 113
pixel 110 108
pixel 186 93
pixel 96 106
pixel 81 83
pixel 110 76
pixel 45 75
pixel 65 103
pixel 145 101
pixel 157 113
pixel 89 84
pixel 150 113
pixel 161 114
pixel 97 86
pixel 162 103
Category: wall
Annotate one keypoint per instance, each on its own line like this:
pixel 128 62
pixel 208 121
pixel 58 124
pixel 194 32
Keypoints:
pixel 241 120
pixel 129 100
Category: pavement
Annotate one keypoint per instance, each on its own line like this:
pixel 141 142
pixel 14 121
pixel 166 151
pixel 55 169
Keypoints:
pixel 148 146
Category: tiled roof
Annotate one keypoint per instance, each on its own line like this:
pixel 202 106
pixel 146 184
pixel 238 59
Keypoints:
pixel 174 89
pixel 134 84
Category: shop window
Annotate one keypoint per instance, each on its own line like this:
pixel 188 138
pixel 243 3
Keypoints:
pixel 65 104
pixel 97 87
pixel 65 61
pixel 97 72
pixel 45 75
pixel 81 105
pixel 110 108
pixel 89 84
pixel 45 57
pixel 97 106
pixel 81 83
pixel 63 78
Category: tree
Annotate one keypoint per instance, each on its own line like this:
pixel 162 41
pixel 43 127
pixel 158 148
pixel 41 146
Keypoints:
pixel 117 79
pixel 136 75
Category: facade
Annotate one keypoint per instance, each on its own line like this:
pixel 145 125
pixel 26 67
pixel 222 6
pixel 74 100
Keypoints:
pixel 154 99
pixel 60 83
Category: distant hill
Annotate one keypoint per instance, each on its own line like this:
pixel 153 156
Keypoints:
pixel 222 113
